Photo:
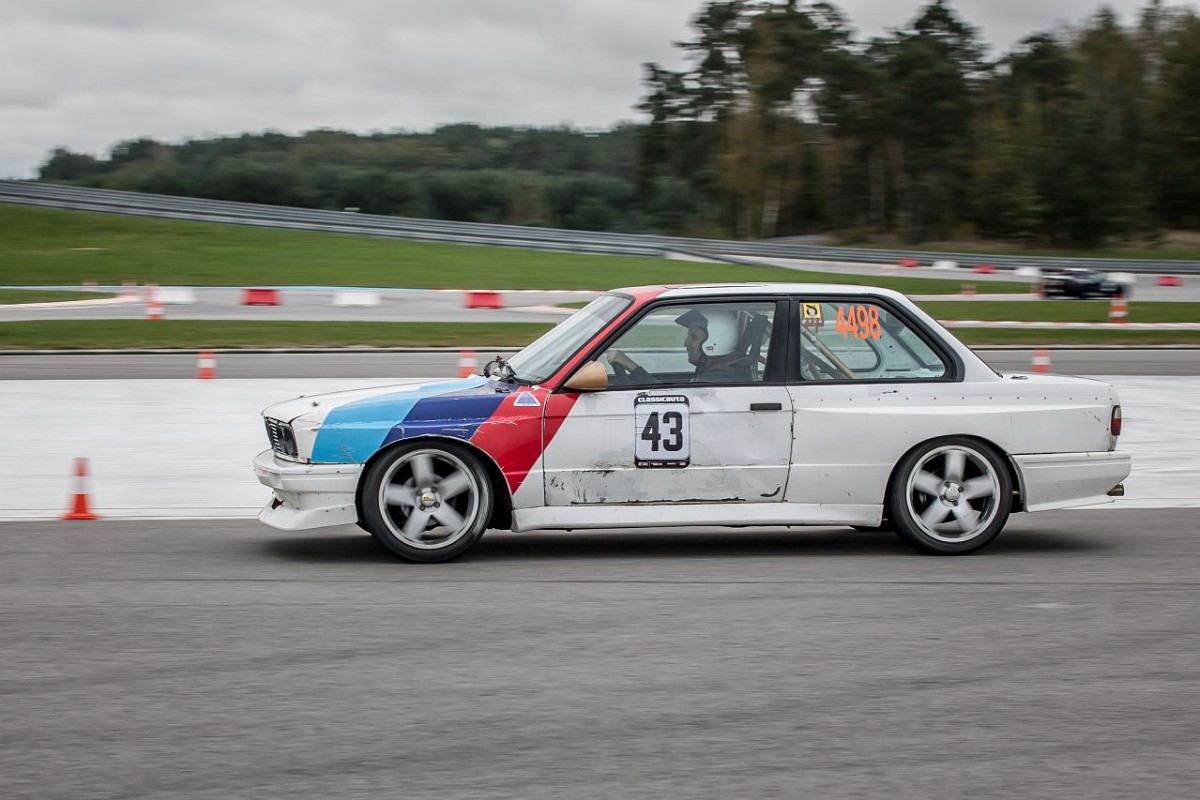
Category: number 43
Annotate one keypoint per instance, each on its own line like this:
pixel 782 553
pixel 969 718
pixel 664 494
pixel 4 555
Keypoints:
pixel 652 432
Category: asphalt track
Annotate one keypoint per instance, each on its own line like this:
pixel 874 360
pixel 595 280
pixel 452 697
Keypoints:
pixel 352 363
pixel 219 660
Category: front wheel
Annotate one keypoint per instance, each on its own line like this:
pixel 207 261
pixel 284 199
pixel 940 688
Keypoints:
pixel 426 502
pixel 950 496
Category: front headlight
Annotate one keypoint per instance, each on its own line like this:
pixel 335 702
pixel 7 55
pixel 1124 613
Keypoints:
pixel 304 429
pixel 283 440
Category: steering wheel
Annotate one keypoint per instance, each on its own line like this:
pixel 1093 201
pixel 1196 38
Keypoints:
pixel 620 374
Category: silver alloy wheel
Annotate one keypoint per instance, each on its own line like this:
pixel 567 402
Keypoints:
pixel 429 499
pixel 953 493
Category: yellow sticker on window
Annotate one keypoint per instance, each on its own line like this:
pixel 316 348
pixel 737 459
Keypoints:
pixel 810 311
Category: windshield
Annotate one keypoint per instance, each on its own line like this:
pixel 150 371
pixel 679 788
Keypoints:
pixel 543 357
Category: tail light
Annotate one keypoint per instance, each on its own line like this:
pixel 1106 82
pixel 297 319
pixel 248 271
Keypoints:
pixel 1114 425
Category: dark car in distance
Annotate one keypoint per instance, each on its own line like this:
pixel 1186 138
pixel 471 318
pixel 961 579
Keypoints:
pixel 1082 283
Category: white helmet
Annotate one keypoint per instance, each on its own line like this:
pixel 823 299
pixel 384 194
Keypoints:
pixel 720 325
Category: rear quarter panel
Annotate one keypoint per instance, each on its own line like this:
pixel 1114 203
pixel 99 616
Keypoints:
pixel 849 438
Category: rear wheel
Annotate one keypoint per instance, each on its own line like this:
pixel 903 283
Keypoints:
pixel 426 502
pixel 950 496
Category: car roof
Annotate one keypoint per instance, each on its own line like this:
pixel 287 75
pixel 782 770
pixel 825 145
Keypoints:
pixel 725 289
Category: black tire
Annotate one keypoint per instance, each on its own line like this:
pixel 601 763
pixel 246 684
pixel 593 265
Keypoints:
pixel 954 478
pixel 426 502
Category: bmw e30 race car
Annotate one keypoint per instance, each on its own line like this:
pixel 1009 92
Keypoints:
pixel 756 404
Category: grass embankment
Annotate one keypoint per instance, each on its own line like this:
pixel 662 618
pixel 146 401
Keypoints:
pixel 1168 252
pixel 42 247
pixel 19 296
pixel 49 247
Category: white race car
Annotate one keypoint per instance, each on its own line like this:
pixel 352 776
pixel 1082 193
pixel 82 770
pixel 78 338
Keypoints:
pixel 755 404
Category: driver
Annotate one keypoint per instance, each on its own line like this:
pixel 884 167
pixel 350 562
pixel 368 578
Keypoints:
pixel 710 342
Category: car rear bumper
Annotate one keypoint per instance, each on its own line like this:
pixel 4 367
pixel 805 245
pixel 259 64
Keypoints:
pixel 307 495
pixel 1064 480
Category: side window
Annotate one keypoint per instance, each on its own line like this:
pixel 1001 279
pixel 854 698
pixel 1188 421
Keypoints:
pixel 693 343
pixel 862 340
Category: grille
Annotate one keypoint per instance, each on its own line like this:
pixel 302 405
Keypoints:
pixel 283 441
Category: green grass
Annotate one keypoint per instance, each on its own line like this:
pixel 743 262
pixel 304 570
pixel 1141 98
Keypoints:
pixel 125 334
pixel 1166 253
pixel 9 296
pixel 50 247
pixel 1058 310
pixel 130 334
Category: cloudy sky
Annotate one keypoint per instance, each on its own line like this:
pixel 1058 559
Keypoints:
pixel 84 74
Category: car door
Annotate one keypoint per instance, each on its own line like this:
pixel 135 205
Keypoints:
pixel 861 372
pixel 674 431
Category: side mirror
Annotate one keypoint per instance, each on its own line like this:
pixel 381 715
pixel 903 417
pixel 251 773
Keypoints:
pixel 591 377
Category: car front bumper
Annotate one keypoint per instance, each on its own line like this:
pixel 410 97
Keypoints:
pixel 1064 480
pixel 307 495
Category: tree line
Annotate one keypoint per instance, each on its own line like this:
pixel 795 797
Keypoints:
pixel 781 122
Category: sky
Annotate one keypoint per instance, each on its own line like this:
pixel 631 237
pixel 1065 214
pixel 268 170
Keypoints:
pixel 86 74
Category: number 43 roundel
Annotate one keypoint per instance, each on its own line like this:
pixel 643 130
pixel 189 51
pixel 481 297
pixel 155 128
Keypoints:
pixel 662 431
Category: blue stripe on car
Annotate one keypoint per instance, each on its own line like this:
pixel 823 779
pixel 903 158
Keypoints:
pixel 457 415
pixel 350 434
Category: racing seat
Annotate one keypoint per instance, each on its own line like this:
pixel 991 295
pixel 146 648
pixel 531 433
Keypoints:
pixel 748 353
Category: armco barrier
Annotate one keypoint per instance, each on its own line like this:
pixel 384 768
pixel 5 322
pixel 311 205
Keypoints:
pixel 47 195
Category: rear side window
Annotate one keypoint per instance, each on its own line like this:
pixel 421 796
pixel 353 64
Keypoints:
pixel 845 340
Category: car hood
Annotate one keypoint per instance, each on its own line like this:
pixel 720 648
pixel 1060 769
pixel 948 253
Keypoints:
pixel 318 405
pixel 349 427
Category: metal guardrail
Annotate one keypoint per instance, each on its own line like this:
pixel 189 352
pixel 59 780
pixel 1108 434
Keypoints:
pixel 46 195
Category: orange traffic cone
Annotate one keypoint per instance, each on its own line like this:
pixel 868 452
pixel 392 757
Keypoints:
pixel 206 366
pixel 466 363
pixel 1041 360
pixel 79 503
pixel 154 308
pixel 1118 309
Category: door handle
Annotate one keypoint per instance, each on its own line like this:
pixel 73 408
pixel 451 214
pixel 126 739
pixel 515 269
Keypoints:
pixel 766 406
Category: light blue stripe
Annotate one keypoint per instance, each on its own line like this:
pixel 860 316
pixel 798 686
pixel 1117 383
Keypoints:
pixel 351 433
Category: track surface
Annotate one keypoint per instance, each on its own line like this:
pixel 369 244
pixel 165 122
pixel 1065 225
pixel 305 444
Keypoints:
pixel 217 660
pixel 358 364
